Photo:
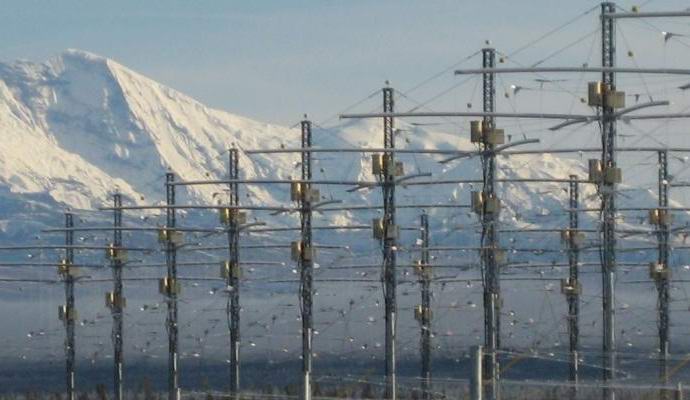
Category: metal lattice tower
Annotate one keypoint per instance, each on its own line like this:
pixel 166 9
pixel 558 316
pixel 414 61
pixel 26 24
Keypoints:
pixel 68 314
pixel 573 283
pixel 389 244
pixel 425 314
pixel 171 289
pixel 607 190
pixel 233 273
pixel 116 301
pixel 489 239
pixel 306 262
pixel 662 281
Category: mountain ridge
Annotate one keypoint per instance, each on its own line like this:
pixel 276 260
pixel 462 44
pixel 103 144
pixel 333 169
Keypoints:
pixel 80 126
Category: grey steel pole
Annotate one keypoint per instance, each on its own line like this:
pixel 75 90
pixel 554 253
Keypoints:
pixel 425 317
pixel 662 279
pixel 389 244
pixel 233 274
pixel 489 239
pixel 171 290
pixel 69 310
pixel 607 190
pixel 476 378
pixel 573 284
pixel 117 299
pixel 306 261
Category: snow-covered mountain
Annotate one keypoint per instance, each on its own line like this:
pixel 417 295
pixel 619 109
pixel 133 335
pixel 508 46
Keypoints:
pixel 77 124
pixel 80 126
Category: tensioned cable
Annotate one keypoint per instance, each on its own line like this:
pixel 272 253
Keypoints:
pixel 423 104
pixel 631 51
pixel 566 47
pixel 441 73
pixel 346 109
pixel 552 31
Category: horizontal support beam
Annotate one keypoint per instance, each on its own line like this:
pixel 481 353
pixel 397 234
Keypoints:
pixel 575 150
pixel 53 264
pixel 195 207
pixel 598 150
pixel 76 247
pixel 432 266
pixel 656 208
pixel 260 246
pixel 633 209
pixel 654 116
pixel 544 230
pixel 566 265
pixel 653 14
pixel 403 206
pixel 324 228
pixel 478 114
pixel 514 180
pixel 518 70
pixel 206 264
pixel 351 150
pixel 128 229
pixel 264 182
pixel 569 118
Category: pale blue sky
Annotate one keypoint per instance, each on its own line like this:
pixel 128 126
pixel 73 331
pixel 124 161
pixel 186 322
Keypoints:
pixel 275 60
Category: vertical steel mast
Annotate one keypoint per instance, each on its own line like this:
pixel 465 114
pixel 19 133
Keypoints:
pixel 571 287
pixel 424 311
pixel 306 260
pixel 232 272
pixel 170 287
pixel 115 300
pixel 389 243
pixel 68 313
pixel 661 273
pixel 489 240
pixel 608 194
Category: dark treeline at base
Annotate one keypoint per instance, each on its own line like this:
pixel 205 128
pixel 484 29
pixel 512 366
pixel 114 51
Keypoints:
pixel 204 375
pixel 358 390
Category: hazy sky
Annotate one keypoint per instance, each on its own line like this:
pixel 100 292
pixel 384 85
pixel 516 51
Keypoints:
pixel 275 60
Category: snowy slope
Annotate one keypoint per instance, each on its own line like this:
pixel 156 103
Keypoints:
pixel 79 126
pixel 84 119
